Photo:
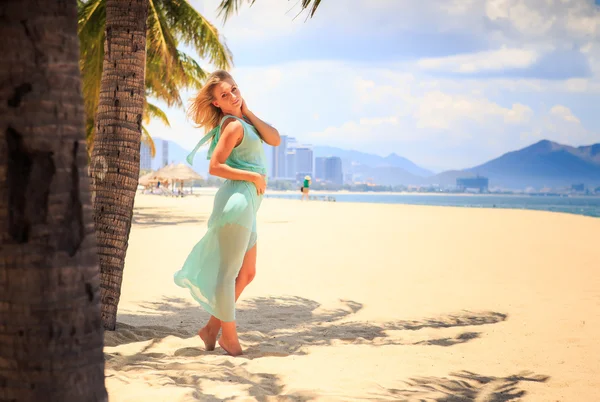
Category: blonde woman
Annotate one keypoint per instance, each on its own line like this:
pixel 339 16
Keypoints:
pixel 223 262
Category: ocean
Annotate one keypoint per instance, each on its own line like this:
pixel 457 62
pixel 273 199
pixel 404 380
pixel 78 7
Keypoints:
pixel 579 205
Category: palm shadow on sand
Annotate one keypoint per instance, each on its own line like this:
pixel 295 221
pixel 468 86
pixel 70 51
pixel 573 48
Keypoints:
pixel 284 326
pixel 464 386
pixel 280 326
pixel 157 217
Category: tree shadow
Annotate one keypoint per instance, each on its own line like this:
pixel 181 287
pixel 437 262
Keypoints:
pixel 284 326
pixel 280 326
pixel 155 217
pixel 465 386
pixel 161 370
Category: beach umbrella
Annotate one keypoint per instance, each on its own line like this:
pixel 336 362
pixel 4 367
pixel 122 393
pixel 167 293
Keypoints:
pixel 179 172
pixel 163 172
pixel 147 179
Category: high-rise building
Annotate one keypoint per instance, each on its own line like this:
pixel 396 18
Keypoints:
pixel 165 153
pixel 304 160
pixel 290 164
pixel 279 158
pixel 333 170
pixel 145 156
pixel 320 167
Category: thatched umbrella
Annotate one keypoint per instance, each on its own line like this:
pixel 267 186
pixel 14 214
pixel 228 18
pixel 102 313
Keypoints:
pixel 148 179
pixel 180 172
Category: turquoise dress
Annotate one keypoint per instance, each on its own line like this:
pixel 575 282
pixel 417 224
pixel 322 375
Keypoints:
pixel 210 270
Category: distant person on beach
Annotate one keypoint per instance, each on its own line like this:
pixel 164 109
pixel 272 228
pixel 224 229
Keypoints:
pixel 223 262
pixel 305 188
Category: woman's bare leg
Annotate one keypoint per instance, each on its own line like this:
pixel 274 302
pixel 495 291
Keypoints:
pixel 210 332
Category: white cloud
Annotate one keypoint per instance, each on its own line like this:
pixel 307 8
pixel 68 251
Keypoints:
pixel 564 113
pixel 376 121
pixel 546 19
pixel 521 15
pixel 560 124
pixel 494 60
pixel 462 115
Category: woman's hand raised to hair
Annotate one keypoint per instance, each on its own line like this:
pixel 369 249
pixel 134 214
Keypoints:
pixel 245 110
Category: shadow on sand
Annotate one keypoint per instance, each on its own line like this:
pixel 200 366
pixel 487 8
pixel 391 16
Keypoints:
pixel 156 217
pixel 283 326
pixel 464 386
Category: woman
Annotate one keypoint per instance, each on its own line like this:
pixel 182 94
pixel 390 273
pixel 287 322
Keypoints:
pixel 223 262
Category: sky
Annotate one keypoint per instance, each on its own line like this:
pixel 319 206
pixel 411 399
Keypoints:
pixel 448 84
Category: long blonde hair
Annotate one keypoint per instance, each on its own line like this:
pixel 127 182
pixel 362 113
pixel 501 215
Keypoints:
pixel 201 110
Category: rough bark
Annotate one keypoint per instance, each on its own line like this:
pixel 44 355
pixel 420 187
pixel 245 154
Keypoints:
pixel 116 151
pixel 51 336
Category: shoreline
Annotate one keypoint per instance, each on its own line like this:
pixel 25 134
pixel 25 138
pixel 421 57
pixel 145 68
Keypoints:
pixel 213 190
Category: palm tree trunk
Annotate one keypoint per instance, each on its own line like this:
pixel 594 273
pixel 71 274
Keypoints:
pixel 116 152
pixel 51 335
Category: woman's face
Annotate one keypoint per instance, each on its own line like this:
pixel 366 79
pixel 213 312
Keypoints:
pixel 227 96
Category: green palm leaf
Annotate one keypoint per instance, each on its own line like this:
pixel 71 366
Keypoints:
pixel 193 29
pixel 91 20
pixel 151 111
pixel 168 70
pixel 147 139
pixel 230 7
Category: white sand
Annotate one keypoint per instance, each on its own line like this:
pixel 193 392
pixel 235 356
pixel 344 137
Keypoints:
pixel 379 302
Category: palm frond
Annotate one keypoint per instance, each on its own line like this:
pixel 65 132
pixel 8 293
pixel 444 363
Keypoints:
pixel 159 39
pixel 168 70
pixel 312 5
pixel 194 74
pixel 87 15
pixel 91 22
pixel 229 7
pixel 193 29
pixel 163 83
pixel 147 139
pixel 152 110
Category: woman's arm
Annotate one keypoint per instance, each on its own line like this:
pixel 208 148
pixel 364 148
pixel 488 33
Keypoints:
pixel 268 133
pixel 231 135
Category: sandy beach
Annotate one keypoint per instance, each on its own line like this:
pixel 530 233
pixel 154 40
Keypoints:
pixel 368 302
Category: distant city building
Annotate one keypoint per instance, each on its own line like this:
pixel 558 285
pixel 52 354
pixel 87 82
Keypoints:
pixel 480 183
pixel 290 164
pixel 333 170
pixel 578 187
pixel 279 158
pixel 145 156
pixel 290 159
pixel 304 160
pixel 165 153
pixel 320 168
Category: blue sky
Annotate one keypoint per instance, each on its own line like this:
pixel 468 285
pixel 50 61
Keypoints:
pixel 445 83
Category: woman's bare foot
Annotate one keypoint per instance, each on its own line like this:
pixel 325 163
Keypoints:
pixel 209 337
pixel 232 348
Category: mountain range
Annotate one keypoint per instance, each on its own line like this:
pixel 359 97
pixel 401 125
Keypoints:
pixel 543 164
